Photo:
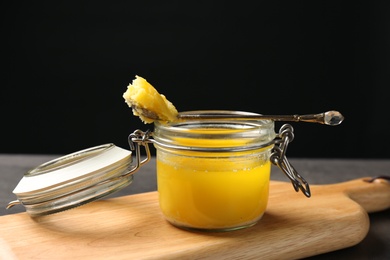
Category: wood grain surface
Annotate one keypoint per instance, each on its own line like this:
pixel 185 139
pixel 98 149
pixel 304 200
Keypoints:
pixel 132 227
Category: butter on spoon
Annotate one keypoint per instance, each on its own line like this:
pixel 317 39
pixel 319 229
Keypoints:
pixel 147 103
pixel 151 106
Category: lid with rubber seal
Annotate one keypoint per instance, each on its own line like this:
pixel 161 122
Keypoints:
pixel 74 179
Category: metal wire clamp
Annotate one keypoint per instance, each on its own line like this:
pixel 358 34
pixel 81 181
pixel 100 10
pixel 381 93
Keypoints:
pixel 137 139
pixel 278 158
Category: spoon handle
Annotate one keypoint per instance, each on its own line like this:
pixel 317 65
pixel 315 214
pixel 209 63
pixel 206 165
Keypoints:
pixel 328 118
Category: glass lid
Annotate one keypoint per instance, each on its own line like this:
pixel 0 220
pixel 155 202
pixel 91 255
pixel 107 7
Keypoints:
pixel 74 179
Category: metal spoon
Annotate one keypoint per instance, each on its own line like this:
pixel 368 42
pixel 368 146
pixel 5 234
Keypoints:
pixel 328 118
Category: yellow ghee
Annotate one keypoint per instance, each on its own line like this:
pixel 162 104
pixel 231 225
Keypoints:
pixel 213 193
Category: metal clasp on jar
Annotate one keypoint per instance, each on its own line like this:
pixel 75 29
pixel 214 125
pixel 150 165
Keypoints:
pixel 278 157
pixel 137 139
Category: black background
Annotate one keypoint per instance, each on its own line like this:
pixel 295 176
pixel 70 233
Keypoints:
pixel 66 64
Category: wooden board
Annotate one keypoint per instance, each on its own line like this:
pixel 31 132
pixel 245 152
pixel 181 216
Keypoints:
pixel 132 227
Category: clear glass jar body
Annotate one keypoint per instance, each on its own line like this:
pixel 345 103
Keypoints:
pixel 214 174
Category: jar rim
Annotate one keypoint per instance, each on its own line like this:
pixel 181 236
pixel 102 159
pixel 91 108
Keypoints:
pixel 181 125
pixel 212 134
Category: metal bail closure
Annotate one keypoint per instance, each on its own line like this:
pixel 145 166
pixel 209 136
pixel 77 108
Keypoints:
pixel 136 139
pixel 278 157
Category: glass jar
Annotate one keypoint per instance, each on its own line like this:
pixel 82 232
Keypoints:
pixel 213 174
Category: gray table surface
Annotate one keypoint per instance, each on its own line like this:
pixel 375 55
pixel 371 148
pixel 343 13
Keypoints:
pixel 376 244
